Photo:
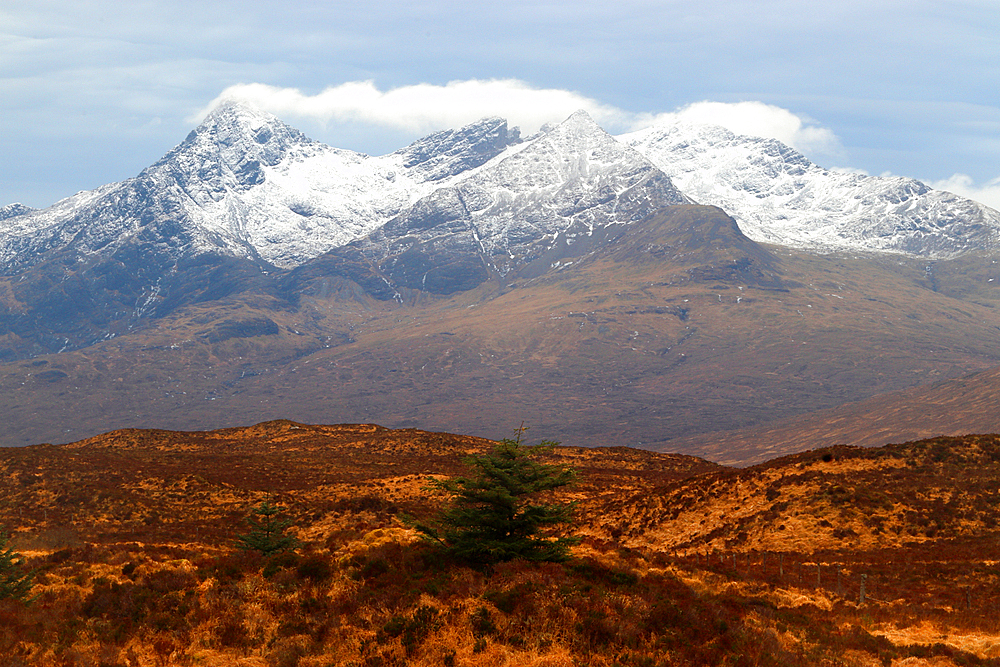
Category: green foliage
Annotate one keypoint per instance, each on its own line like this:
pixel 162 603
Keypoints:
pixel 315 568
pixel 413 630
pixel 15 583
pixel 482 623
pixel 267 532
pixel 494 515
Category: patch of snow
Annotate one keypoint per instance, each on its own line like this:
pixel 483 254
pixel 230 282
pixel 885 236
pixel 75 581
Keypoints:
pixel 778 196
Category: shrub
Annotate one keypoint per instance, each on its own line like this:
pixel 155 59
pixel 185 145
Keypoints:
pixel 492 516
pixel 315 568
pixel 482 623
pixel 125 605
pixel 15 582
pixel 413 631
pixel 267 532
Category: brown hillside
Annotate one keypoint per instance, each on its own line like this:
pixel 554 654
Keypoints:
pixel 680 326
pixel 158 486
pixel 950 407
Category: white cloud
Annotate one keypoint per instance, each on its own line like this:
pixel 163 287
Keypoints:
pixel 963 185
pixel 424 108
pixel 756 119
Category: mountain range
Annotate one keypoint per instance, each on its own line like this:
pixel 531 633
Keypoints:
pixel 778 196
pixel 648 287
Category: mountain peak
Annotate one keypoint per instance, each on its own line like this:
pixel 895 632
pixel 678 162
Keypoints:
pixel 235 124
pixel 580 116
pixel 14 210
pixel 451 152
pixel 579 122
pixel 241 112
pixel 238 134
pixel 580 127
pixel 552 198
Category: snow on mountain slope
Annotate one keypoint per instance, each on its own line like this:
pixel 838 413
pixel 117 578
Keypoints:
pixel 14 210
pixel 562 184
pixel 307 198
pixel 245 184
pixel 245 175
pixel 778 196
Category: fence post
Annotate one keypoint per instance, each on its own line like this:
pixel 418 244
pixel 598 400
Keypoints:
pixel 861 598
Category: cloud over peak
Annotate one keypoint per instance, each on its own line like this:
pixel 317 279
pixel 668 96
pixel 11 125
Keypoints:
pixel 422 108
pixel 757 119
pixel 964 186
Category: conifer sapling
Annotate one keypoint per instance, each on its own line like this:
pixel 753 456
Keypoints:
pixel 495 515
pixel 15 583
pixel 267 532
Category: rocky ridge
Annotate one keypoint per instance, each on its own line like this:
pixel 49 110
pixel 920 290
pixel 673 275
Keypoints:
pixel 558 196
pixel 778 196
pixel 14 210
pixel 244 184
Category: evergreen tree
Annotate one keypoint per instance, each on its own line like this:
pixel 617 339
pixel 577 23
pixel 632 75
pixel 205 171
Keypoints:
pixel 267 532
pixel 494 515
pixel 14 582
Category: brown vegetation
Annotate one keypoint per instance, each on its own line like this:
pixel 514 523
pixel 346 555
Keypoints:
pixel 683 562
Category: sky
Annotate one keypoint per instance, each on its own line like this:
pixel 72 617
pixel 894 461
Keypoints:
pixel 93 91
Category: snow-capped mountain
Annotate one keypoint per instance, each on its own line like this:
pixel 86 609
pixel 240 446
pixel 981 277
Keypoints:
pixel 534 204
pixel 778 196
pixel 246 193
pixel 248 264
pixel 458 206
pixel 566 182
pixel 245 184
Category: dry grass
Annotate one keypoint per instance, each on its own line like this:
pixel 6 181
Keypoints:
pixel 131 536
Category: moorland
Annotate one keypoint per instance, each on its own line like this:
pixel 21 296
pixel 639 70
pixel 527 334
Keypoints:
pixel 834 556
